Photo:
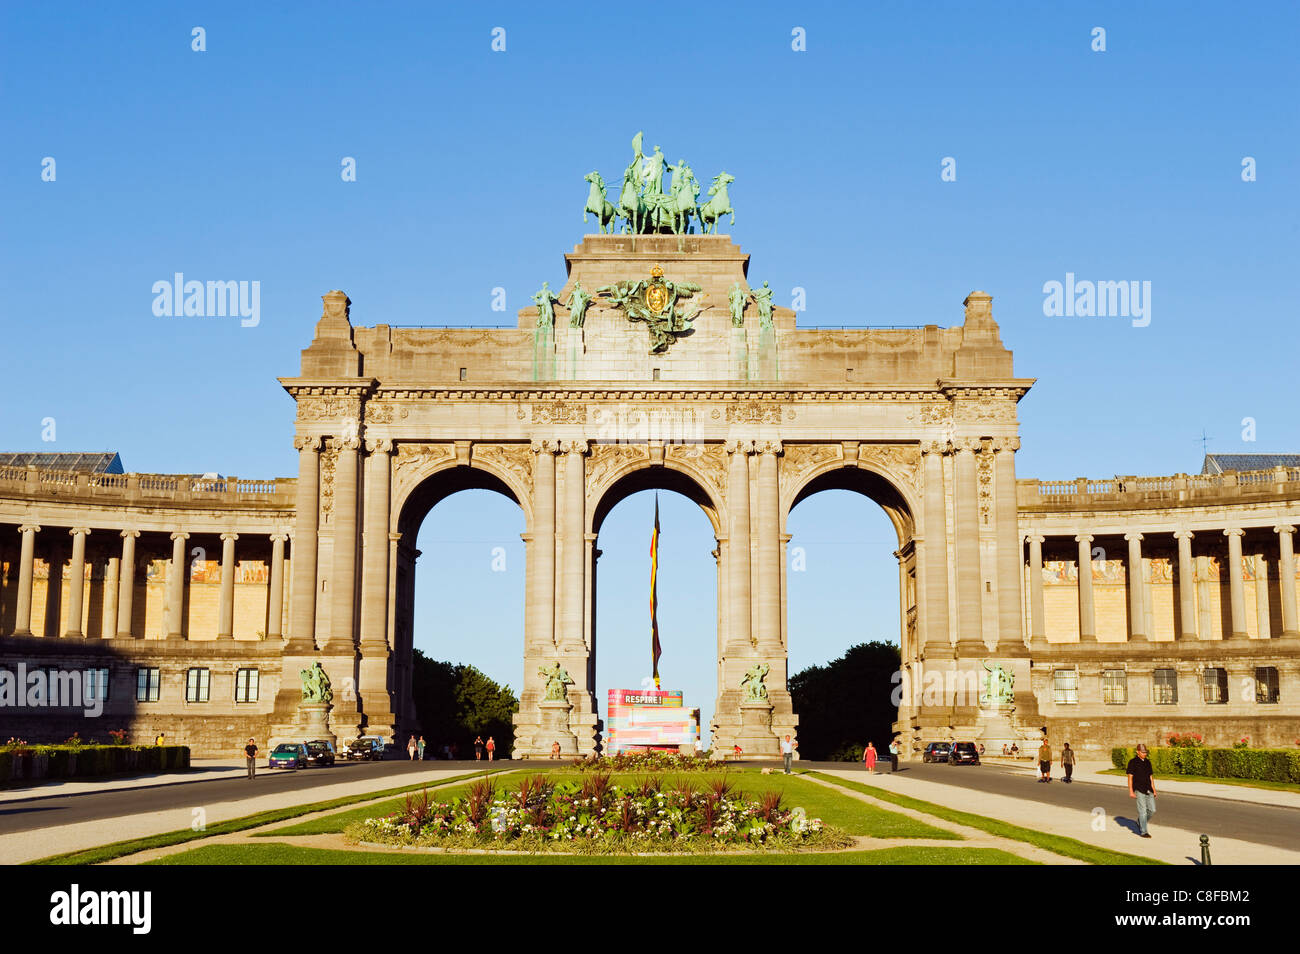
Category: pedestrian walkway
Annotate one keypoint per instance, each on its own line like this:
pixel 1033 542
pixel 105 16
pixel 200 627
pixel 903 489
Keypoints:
pixel 201 770
pixel 1169 843
pixel 18 847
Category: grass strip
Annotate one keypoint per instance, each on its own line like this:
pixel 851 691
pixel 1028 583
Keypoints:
pixel 119 849
pixel 1069 847
pixel 275 853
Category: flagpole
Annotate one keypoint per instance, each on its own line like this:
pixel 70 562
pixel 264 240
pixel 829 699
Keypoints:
pixel 654 595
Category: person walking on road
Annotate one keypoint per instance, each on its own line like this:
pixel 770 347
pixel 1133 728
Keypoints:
pixel 787 752
pixel 411 748
pixel 250 756
pixel 478 748
pixel 893 755
pixel 1142 786
pixel 869 758
pixel 491 749
pixel 1044 762
pixel 1067 761
pixel 420 747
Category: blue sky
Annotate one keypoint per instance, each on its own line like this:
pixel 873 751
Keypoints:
pixel 1115 165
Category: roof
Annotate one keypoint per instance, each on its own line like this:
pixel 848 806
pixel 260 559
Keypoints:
pixel 1218 463
pixel 104 462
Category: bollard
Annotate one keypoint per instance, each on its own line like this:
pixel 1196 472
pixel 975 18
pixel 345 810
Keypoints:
pixel 1205 850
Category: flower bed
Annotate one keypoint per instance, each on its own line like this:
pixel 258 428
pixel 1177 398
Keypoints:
pixel 596 816
pixel 647 762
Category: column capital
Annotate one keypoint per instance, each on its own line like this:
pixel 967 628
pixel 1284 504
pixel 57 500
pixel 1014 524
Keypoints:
pixel 180 535
pixel 394 537
pixel 1183 534
pixel 29 527
pixel 540 446
pixel 1234 532
pixel 1006 444
pixel 1280 528
pixel 934 447
pixel 581 446
pixel 774 448
pixel 1084 538
pixel 309 442
pixel 379 445
pixel 1035 538
pixel 230 535
pixel 279 536
pixel 1133 535
pixel 346 443
pixel 129 533
pixel 79 531
pixel 738 447
pixel 966 445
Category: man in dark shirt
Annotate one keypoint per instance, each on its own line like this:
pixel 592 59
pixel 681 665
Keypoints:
pixel 250 754
pixel 1141 786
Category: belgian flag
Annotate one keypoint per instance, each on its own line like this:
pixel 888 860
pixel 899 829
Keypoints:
pixel 654 595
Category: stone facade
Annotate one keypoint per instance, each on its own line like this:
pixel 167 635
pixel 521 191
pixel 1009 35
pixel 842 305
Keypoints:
pixel 132 572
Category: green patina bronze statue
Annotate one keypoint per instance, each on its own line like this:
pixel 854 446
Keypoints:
pixel 316 684
pixel 660 304
pixel 546 300
pixel 763 300
pixel 645 207
pixel 736 299
pixel 557 682
pixel 998 687
pixel 577 305
pixel 598 204
pixel 752 682
pixel 718 205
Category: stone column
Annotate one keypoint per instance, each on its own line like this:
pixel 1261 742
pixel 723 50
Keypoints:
pixel 275 598
pixel 343 573
pixel 76 583
pixel 26 563
pixel 540 620
pixel 1010 560
pixel 768 524
pixel 569 636
pixel 970 628
pixel 126 584
pixel 740 637
pixel 935 640
pixel 1136 598
pixel 108 619
pixel 226 611
pixel 1285 573
pixel 1186 584
pixel 1262 619
pixel 302 615
pixel 176 588
pixel 374 544
pixel 1087 609
pixel 1236 589
pixel 1037 612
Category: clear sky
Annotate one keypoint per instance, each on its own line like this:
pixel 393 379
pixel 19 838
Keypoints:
pixel 225 165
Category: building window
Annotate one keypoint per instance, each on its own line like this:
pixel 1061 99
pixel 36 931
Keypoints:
pixel 1266 687
pixel 197 684
pixel 1114 687
pixel 1164 687
pixel 246 685
pixel 464 373
pixel 1214 683
pixel 1065 687
pixel 147 683
pixel 96 684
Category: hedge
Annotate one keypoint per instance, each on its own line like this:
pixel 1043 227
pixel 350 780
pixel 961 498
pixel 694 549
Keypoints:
pixel 1270 765
pixel 36 762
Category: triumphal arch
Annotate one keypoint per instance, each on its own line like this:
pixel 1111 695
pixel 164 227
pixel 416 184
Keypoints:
pixel 660 360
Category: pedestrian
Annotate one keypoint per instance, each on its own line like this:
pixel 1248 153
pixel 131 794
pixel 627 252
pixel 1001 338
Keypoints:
pixel 736 751
pixel 411 748
pixel 1015 751
pixel 161 740
pixel 981 750
pixel 1142 786
pixel 893 755
pixel 420 746
pixel 788 746
pixel 250 756
pixel 869 758
pixel 1044 762
pixel 478 748
pixel 555 750
pixel 1067 761
pixel 491 746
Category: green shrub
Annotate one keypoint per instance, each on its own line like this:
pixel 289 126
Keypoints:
pixel 36 762
pixel 1270 765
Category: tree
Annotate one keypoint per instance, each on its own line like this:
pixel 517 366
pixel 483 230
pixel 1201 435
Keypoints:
pixel 456 702
pixel 847 703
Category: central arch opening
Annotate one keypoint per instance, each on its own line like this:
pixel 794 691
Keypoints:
pixel 687 586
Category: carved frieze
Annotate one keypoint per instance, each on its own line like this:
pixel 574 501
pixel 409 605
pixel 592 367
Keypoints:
pixel 709 461
pixel 322 407
pixel 756 412
pixel 384 412
pixel 901 460
pixel 800 459
pixel 556 412
pixel 513 459
pixel 606 459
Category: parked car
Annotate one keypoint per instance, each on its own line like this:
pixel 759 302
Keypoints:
pixel 964 753
pixel 320 753
pixel 936 752
pixel 368 748
pixel 290 755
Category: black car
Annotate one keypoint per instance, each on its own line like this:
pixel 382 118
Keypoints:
pixel 963 753
pixel 368 748
pixel 320 753
pixel 936 752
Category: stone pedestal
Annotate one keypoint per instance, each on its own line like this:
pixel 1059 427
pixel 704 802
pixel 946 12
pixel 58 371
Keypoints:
pixel 553 726
pixel 755 738
pixel 312 725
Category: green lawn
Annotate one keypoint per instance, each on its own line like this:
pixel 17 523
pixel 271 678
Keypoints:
pixel 1247 782
pixel 274 853
pixel 1055 843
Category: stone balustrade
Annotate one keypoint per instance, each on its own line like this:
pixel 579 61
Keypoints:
pixel 150 489
pixel 1120 493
